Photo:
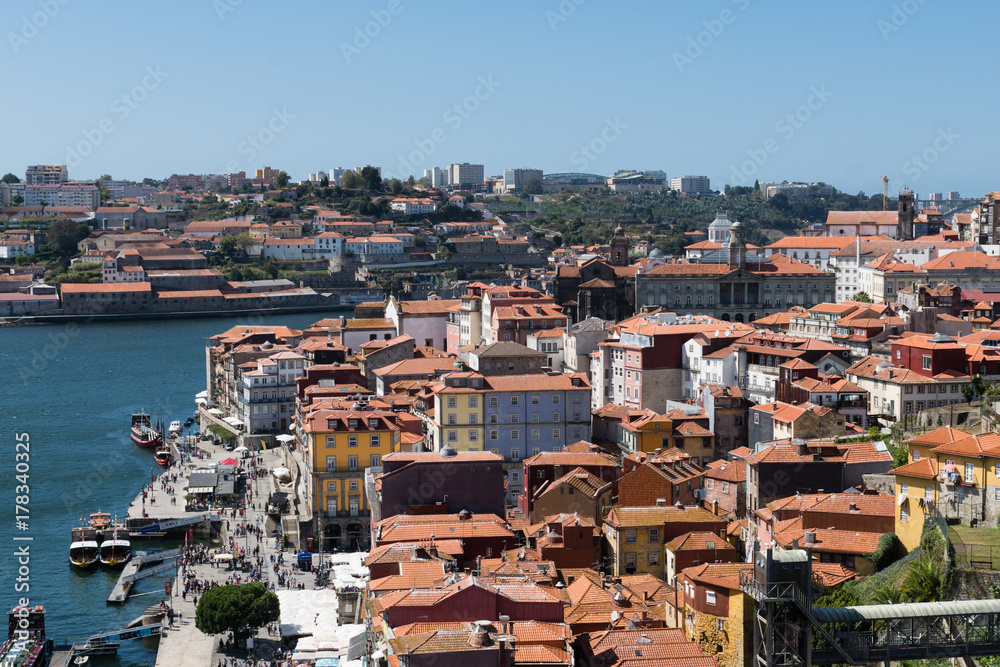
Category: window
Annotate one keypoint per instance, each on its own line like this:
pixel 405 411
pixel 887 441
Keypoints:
pixel 536 434
pixel 515 434
pixel 929 494
pixel 996 469
pixel 904 514
pixel 904 489
pixel 555 399
pixel 630 559
pixel 541 473
pixel 654 534
pixel 514 400
pixel 494 434
pixel 515 476
pixel 494 418
pixel 534 399
pixel 452 436
pixel 452 401
pixel 331 463
pixel 725 487
pixel 710 597
pixel 926 362
pixel 535 450
pixel 630 536
pixel 968 472
pixel 473 418
pixel 331 486
pixel 473 435
pixel 494 401
pixel 556 433
pixel 354 485
pixel 374 460
pixel 653 558
pixel 556 417
pixel 515 454
pixel 352 441
pixel 473 401
pixel 720 624
pixel 352 462
pixel 331 505
pixel 535 418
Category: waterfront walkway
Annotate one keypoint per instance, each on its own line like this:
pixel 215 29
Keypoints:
pixel 183 643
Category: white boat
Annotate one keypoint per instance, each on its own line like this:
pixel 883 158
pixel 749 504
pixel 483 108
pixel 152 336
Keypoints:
pixel 175 426
pixel 116 548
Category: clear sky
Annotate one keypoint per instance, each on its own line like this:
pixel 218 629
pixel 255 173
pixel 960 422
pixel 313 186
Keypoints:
pixel 733 89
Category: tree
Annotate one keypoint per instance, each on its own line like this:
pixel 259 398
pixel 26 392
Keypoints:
pixel 921 582
pixel 532 185
pixel 351 181
pixel 10 178
pixel 281 180
pixel 105 177
pixel 105 195
pixel 17 199
pixel 395 186
pixel 239 609
pixel 64 235
pixel 371 178
pixel 862 297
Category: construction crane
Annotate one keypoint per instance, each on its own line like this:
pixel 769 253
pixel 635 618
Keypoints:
pixel 885 191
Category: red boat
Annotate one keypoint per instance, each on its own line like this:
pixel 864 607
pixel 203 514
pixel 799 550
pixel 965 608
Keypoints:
pixel 163 457
pixel 143 433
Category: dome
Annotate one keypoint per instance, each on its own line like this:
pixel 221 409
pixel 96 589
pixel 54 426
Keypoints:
pixel 737 225
pixel 721 220
pixel 656 254
pixel 448 451
pixel 619 230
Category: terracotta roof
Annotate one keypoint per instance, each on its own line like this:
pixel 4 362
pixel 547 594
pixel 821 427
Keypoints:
pixel 962 260
pixel 830 540
pixel 973 445
pixel 939 436
pixel 586 483
pixel 726 575
pixel 832 574
pixel 435 307
pixel 629 517
pixel 863 503
pixel 698 541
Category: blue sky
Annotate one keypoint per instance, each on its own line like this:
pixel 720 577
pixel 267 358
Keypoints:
pixel 733 89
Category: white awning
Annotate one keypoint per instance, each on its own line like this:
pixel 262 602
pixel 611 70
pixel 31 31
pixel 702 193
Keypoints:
pixel 202 394
pixel 284 437
pixel 901 499
pixel 233 421
pixel 201 489
pixel 222 557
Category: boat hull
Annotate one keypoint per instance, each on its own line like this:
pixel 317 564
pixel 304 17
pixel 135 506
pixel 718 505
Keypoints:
pixel 83 564
pixel 145 441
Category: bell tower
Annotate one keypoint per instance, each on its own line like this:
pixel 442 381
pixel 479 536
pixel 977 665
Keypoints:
pixel 619 248
pixel 904 228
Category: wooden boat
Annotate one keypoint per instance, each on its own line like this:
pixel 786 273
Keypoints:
pixel 143 433
pixel 116 548
pixel 84 550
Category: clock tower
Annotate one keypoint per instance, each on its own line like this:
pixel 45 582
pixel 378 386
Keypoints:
pixel 737 246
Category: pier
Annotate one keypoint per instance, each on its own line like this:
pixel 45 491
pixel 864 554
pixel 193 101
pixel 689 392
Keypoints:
pixel 133 571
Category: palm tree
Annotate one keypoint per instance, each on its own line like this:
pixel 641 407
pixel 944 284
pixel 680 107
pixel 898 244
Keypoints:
pixel 888 595
pixel 921 581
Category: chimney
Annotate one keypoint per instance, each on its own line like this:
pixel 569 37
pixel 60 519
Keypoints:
pixel 479 566
pixel 854 507
pixel 810 537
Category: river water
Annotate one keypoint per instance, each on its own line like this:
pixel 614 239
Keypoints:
pixel 72 389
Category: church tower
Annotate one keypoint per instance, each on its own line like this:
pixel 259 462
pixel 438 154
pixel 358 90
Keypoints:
pixel 619 248
pixel 906 214
pixel 737 247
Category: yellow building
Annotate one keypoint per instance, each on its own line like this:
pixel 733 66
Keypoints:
pixel 634 537
pixel 717 614
pixel 343 444
pixel 458 412
pixel 646 431
pixel 954 471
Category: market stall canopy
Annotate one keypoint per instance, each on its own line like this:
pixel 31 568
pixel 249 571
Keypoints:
pixel 233 421
pixel 214 411
pixel 202 394
pixel 229 462
pixel 281 472
pixel 222 557
pixel 284 437
pixel 240 450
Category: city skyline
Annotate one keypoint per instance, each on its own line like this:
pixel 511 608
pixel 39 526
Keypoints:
pixel 732 90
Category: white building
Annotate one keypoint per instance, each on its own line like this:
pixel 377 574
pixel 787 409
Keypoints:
pixel 691 185
pixel 337 175
pixel 112 272
pixel 549 341
pixel 63 194
pixel 377 246
pixel 437 176
pixel 466 176
pixel 267 400
pixel 408 206
pixel 14 246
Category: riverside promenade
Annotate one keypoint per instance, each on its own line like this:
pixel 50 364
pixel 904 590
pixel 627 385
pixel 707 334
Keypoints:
pixel 182 643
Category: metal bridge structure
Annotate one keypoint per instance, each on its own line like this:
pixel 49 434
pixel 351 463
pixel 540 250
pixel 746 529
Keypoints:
pixel 789 631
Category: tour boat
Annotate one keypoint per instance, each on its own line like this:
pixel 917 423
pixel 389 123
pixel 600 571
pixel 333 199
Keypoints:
pixel 26 645
pixel 163 457
pixel 175 426
pixel 116 548
pixel 84 550
pixel 143 433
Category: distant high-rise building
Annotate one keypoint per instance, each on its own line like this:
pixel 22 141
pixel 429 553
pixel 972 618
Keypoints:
pixel 466 176
pixel 954 195
pixel 691 185
pixel 796 190
pixel 337 175
pixel 46 174
pixel 515 179
pixel 935 197
pixel 266 174
pixel 437 176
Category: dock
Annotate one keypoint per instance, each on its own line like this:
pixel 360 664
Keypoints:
pixel 133 571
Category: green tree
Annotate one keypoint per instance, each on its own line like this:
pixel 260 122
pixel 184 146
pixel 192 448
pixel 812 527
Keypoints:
pixel 64 235
pixel 17 199
pixel 533 185
pixel 281 180
pixel 105 195
pixel 395 186
pixel 351 181
pixel 370 178
pixel 239 609
pixel 862 297
pixel 10 178
pixel 921 582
